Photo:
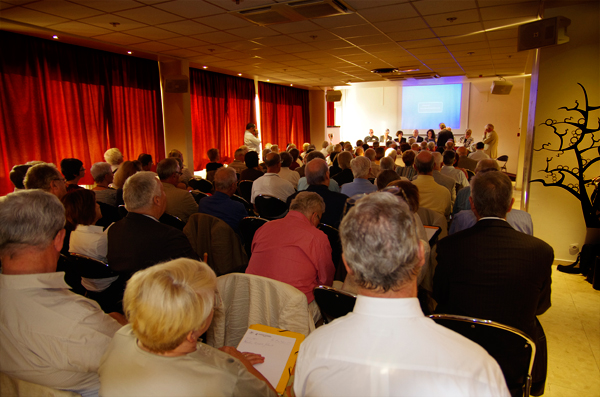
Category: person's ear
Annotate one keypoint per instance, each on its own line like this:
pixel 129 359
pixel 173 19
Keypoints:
pixel 512 202
pixel 348 269
pixel 59 239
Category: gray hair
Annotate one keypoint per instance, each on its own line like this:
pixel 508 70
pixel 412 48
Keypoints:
pixel 113 156
pixel 167 167
pixel 99 171
pixel 240 152
pixel 40 176
pixel 316 171
pixel 315 154
pixel 387 163
pixel 430 145
pixel 30 218
pixel 487 164
pixel 224 177
pixel 437 157
pixel 380 242
pixel 492 193
pixel 307 203
pixel 360 167
pixel 140 189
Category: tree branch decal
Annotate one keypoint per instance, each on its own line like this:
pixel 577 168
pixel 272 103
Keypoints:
pixel 576 137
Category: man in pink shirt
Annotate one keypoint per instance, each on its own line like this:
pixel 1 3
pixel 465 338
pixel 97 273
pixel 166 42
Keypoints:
pixel 292 250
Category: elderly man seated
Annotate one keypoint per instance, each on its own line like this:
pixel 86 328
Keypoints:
pixel 48 334
pixel 180 202
pixel 386 346
pixel 139 240
pixel 360 169
pixel 271 183
pixel 46 176
pixel 103 176
pixel 220 204
pixel 293 250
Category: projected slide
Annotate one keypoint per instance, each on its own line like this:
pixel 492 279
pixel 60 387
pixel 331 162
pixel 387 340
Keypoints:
pixel 425 107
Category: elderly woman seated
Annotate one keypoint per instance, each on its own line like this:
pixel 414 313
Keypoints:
pixel 168 307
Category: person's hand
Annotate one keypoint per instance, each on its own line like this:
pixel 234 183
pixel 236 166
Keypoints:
pixel 252 358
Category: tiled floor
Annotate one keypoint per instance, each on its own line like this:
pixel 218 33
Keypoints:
pixel 572 327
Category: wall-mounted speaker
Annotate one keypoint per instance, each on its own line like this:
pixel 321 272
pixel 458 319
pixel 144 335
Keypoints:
pixel 176 84
pixel 501 87
pixel 334 96
pixel 543 33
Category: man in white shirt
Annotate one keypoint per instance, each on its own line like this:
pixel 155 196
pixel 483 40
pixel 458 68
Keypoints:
pixel 449 170
pixel 48 334
pixel 251 138
pixel 271 183
pixel 285 172
pixel 386 346
pixel 479 153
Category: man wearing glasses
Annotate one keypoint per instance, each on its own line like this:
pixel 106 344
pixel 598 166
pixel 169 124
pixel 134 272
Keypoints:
pixel 180 203
pixel 46 177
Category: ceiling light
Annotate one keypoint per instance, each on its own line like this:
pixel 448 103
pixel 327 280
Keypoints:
pixel 129 52
pixel 451 19
pixel 291 85
pixel 55 37
pixel 268 80
pixel 239 74
pixel 204 67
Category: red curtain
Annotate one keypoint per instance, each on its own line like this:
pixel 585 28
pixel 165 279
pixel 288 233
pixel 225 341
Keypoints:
pixel 284 115
pixel 59 100
pixel 330 114
pixel 221 105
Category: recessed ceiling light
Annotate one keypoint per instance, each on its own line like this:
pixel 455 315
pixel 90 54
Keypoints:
pixel 268 80
pixel 291 85
pixel 239 74
pixel 204 67
pixel 55 37
pixel 129 52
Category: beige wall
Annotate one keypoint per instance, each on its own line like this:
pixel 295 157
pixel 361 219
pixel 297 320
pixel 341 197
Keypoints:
pixel 556 214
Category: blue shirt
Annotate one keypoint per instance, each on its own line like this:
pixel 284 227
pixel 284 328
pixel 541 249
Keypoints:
pixel 358 186
pixel 221 206
pixel 303 185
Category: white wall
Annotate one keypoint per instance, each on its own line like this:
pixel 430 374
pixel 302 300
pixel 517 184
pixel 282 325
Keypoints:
pixel 556 214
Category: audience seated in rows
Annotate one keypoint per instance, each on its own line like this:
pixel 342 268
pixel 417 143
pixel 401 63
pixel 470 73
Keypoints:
pixel 285 172
pixel 303 182
pixel 17 175
pixel 271 183
pixel 387 335
pixel 454 173
pixel 407 171
pixel 103 176
pixel 46 177
pixel 73 171
pixel 186 173
pixel 360 169
pixel 252 171
pixel 345 175
pixel 48 335
pixel 296 159
pixel 146 160
pixel 214 157
pixel 114 157
pixel 238 161
pixel 431 194
pixel 479 153
pixel 180 203
pixel 442 179
pixel 464 161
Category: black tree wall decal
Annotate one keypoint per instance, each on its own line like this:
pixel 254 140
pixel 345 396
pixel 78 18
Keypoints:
pixel 577 139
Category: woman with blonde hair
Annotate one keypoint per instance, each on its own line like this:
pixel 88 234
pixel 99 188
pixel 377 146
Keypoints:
pixel 169 306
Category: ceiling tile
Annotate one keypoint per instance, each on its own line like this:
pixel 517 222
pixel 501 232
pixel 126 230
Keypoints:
pixel 295 27
pixel 211 49
pixel 443 6
pixel 226 64
pixel 109 6
pixel 180 52
pixel 420 43
pixel 299 63
pixel 241 5
pixel 314 36
pixel 522 9
pixel 378 48
pixel 206 59
pixel 224 22
pixel 63 9
pixel 467 46
pixel 241 45
pixel 253 32
pixel 190 9
pixel 282 57
pixel 469 38
pixel 503 34
pixel 339 21
pixel 355 31
pixel 153 46
pixel 412 35
pixel 456 30
pixel 508 23
pixel 152 33
pixel 504 43
pixel 120 38
pixel 183 42
pixel 330 44
pixel 105 20
pixel 186 28
pixel 296 48
pixel 80 29
pixel 401 25
pixel 31 17
pixel 216 37
pixel 462 17
pixel 397 11
pixel 276 41
pixel 436 55
pixel 265 51
pixel 371 40
pixel 149 15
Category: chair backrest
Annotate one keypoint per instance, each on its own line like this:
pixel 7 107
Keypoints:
pixel 209 234
pixel 333 302
pixel 432 218
pixel 247 205
pixel 513 349
pixel 88 267
pixel 245 187
pixel 470 174
pixel 333 235
pixel 270 207
pixel 198 195
pixel 204 186
pixel 505 159
pixel 13 387
pixel 122 210
pixel 210 176
pixel 249 299
pixel 248 227
pixel 172 220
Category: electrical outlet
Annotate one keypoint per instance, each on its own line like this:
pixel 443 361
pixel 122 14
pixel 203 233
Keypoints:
pixel 574 247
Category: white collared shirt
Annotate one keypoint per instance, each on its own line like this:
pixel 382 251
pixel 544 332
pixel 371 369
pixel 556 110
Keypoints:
pixel 387 347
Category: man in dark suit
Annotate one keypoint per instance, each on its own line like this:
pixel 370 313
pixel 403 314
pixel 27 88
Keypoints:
pixel 444 136
pixel 507 275
pixel 139 240
pixel 317 176
pixel 416 136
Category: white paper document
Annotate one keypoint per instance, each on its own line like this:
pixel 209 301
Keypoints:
pixel 276 350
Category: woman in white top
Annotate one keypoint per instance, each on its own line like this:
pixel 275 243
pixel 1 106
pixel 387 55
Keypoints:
pixel 168 307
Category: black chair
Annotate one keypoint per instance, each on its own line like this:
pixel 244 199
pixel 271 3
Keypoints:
pixel 72 276
pixel 248 227
pixel 122 211
pixel 270 207
pixel 513 349
pixel 245 188
pixel 110 214
pixel 505 159
pixel 470 174
pixel 333 303
pixel 246 204
pixel 333 235
pixel 202 185
pixel 172 220
pixel 88 267
pixel 198 195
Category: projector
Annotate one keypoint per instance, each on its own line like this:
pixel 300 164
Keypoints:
pixel 501 87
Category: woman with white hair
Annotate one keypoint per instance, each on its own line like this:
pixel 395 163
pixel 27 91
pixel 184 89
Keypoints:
pixel 169 306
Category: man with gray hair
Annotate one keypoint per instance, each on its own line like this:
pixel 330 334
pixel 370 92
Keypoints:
pixel 180 202
pixel 506 278
pixel 317 176
pixel 238 164
pixel 293 250
pixel 220 204
pixel 360 169
pixel 271 183
pixel 139 240
pixel 48 334
pixel 46 177
pixel 114 157
pixel 303 182
pixel 103 176
pixel 386 346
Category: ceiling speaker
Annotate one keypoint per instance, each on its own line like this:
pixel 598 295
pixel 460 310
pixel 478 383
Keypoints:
pixel 176 84
pixel 543 33
pixel 501 87
pixel 334 96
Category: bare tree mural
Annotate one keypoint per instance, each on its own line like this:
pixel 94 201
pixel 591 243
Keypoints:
pixel 576 137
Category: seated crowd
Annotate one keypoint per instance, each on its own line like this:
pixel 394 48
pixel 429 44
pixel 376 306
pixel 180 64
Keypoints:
pixel 136 332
